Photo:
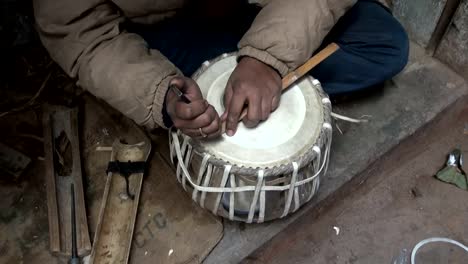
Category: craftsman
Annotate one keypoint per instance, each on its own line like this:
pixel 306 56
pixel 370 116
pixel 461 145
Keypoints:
pixel 128 52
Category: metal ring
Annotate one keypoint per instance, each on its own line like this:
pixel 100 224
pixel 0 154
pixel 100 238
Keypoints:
pixel 201 133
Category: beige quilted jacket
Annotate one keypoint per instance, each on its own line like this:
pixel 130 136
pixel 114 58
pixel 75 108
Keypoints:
pixel 84 38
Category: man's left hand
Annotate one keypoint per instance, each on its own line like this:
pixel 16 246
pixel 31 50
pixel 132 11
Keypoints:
pixel 255 84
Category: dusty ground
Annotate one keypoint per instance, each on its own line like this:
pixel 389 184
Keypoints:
pixel 390 207
pixel 165 223
pixel 409 101
pixel 167 219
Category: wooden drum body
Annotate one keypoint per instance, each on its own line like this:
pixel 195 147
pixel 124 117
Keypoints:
pixel 263 173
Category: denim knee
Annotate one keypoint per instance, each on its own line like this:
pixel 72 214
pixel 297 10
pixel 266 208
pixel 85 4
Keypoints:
pixel 399 57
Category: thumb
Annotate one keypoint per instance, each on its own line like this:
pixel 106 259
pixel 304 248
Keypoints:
pixel 188 87
pixel 178 82
pixel 192 90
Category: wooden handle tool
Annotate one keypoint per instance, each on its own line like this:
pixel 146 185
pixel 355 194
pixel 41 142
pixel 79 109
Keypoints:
pixel 295 75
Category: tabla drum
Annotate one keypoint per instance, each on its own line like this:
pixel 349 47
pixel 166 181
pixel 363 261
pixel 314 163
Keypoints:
pixel 260 173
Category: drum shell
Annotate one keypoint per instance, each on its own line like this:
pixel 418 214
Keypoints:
pixel 274 200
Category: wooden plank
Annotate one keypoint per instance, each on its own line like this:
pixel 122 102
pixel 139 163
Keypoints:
pixel 117 217
pixel 52 210
pixel 83 239
pixel 12 162
pixel 63 122
pixel 168 220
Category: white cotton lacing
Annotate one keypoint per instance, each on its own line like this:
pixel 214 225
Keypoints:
pixel 432 240
pixel 186 174
pixel 291 191
pixel 349 119
pixel 183 152
pixel 256 195
pixel 227 170
pixel 201 172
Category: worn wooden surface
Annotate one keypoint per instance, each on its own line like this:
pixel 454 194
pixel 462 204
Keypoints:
pixel 12 162
pixel 56 121
pixel 167 219
pixel 115 228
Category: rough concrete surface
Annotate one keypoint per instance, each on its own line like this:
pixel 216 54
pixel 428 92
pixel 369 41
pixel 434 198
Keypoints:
pixel 453 48
pixel 390 207
pixel 415 97
pixel 419 17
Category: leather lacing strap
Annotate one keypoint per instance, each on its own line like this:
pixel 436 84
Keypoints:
pixel 183 152
pixel 326 100
pixel 186 174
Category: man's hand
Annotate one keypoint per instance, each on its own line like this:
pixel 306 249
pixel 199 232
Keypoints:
pixel 189 118
pixel 255 84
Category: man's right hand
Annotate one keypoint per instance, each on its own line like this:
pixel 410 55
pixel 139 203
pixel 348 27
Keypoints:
pixel 189 118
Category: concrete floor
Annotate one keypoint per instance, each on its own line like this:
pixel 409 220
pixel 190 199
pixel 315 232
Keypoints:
pixel 390 207
pixel 413 98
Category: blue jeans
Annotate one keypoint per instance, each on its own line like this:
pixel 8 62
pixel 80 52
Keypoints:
pixel 373 45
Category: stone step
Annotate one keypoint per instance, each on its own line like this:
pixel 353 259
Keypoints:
pixel 412 99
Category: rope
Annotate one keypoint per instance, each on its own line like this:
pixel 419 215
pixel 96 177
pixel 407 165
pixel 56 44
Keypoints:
pixel 432 240
pixel 176 142
pixel 288 200
pixel 349 119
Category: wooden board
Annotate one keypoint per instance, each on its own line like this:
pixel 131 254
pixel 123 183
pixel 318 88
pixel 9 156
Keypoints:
pixel 167 218
pixel 171 229
pixel 64 121
pixel 114 232
pixel 12 162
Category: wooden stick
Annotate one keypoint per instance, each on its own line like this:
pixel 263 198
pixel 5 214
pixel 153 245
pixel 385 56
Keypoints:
pixel 295 75
pixel 309 65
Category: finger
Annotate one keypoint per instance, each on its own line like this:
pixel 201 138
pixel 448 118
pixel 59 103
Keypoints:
pixel 254 113
pixel 234 111
pixel 193 133
pixel 190 111
pixel 196 135
pixel 227 101
pixel 192 90
pixel 275 103
pixel 179 82
pixel 212 128
pixel 210 131
pixel 266 109
pixel 187 86
pixel 202 120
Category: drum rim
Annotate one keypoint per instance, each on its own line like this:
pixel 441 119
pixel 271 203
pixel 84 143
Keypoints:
pixel 307 157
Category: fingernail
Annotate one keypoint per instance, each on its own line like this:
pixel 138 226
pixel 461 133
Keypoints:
pixel 230 133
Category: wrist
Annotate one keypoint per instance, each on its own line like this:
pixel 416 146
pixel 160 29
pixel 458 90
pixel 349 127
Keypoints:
pixel 248 59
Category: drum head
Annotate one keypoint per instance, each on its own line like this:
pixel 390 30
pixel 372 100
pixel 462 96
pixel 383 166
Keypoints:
pixel 287 134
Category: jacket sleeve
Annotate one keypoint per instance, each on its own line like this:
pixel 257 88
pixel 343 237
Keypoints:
pixel 84 37
pixel 285 34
